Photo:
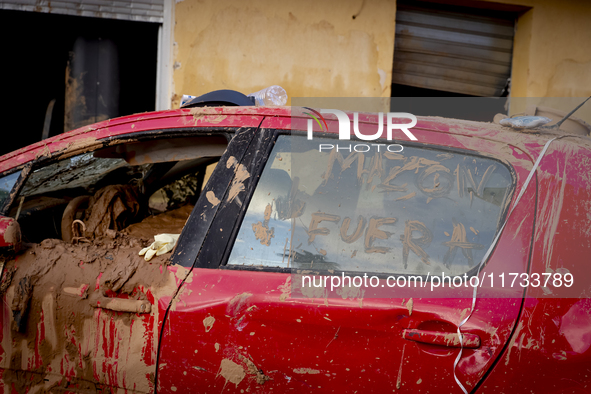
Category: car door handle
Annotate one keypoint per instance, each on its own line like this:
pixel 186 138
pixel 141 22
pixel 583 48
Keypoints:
pixel 449 339
pixel 123 305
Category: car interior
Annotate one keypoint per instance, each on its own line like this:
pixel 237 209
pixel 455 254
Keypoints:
pixel 137 188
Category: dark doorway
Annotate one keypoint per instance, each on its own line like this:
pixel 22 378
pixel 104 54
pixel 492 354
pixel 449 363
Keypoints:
pixel 480 109
pixel 36 50
pixel 412 91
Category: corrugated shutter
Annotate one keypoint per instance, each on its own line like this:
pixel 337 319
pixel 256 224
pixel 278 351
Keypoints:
pixel 452 51
pixel 132 10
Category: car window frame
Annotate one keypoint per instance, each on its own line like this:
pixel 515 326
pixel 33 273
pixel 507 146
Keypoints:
pixel 48 159
pixel 16 188
pixel 196 230
pixel 253 158
pixel 228 246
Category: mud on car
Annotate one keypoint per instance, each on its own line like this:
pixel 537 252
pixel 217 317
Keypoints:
pixel 258 207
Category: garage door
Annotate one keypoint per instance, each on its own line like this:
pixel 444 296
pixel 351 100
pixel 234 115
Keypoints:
pixel 132 10
pixel 447 50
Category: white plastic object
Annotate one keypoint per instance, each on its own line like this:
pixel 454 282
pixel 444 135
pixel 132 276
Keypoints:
pixel 186 98
pixel 163 243
pixel 273 95
pixel 525 122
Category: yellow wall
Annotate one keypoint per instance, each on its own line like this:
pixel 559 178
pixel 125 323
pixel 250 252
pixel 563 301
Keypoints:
pixel 552 56
pixel 311 48
pixel 316 49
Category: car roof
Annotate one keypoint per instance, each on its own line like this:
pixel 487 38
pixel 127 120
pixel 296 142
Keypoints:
pixel 89 137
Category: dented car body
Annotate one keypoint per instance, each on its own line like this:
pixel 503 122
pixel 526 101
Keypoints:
pixel 226 311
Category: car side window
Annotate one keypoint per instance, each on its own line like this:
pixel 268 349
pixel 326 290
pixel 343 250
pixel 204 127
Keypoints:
pixel 6 184
pixel 182 190
pixel 413 211
pixel 138 188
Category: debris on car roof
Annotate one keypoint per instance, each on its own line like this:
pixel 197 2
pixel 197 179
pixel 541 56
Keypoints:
pixel 525 122
pixel 271 96
pixel 529 122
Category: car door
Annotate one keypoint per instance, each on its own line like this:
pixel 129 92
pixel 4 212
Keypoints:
pixel 251 315
pixel 82 314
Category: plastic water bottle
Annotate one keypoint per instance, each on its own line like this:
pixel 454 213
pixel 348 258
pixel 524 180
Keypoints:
pixel 273 95
pixel 186 98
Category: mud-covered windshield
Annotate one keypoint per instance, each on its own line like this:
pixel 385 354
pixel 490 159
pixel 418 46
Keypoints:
pixel 406 212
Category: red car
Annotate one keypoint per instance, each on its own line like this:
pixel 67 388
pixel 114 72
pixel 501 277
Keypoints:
pixel 248 300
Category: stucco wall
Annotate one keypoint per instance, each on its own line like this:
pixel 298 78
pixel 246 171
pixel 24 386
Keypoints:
pixel 316 48
pixel 311 48
pixel 551 56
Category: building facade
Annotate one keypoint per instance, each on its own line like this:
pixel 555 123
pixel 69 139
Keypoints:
pixel 534 49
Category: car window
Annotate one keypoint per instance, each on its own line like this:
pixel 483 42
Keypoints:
pixel 411 212
pixel 140 189
pixel 208 171
pixel 6 185
pixel 182 190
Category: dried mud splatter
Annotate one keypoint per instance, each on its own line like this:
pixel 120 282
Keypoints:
pixel 50 311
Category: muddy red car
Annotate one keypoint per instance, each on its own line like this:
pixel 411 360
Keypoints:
pixel 265 214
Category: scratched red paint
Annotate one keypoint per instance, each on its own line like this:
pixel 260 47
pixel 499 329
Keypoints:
pixel 544 335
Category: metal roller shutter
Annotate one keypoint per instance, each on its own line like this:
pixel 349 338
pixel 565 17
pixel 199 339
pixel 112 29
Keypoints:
pixel 131 10
pixel 452 51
